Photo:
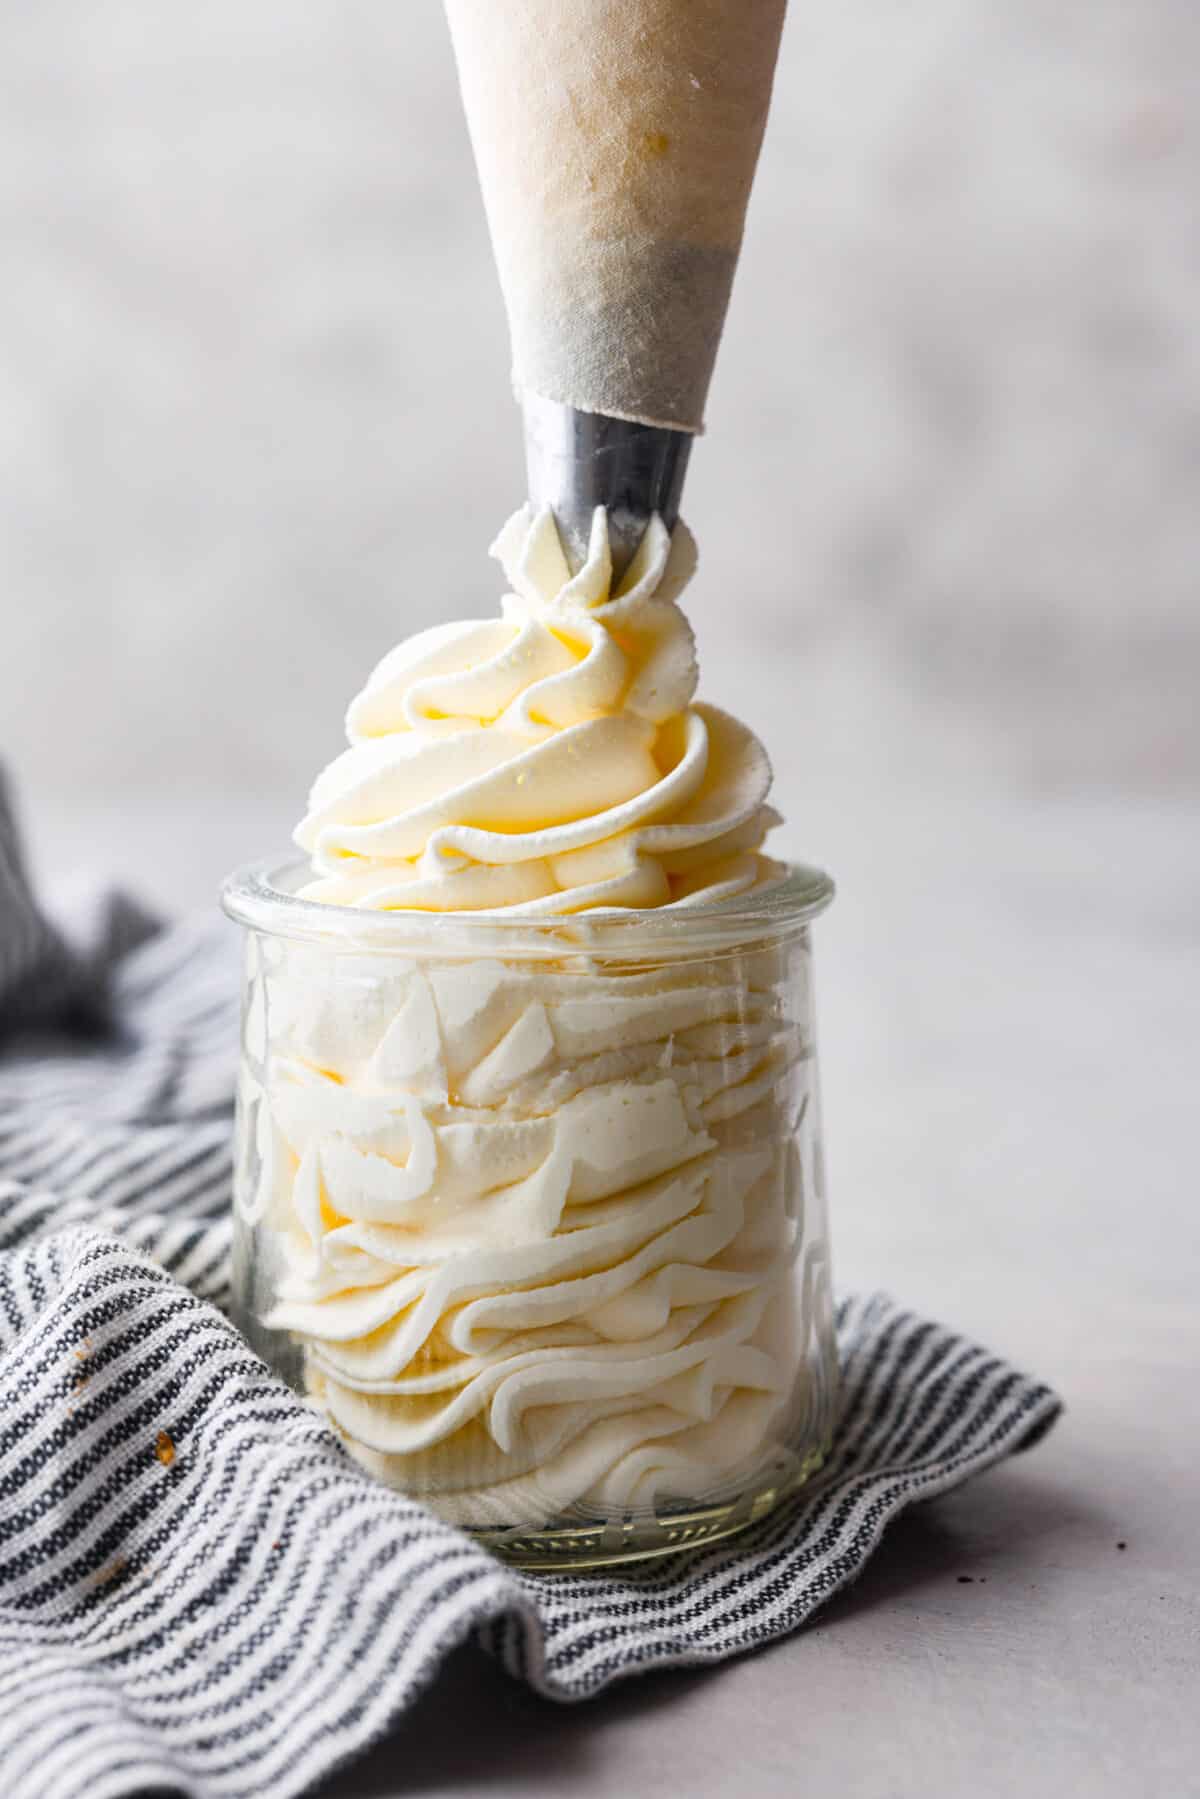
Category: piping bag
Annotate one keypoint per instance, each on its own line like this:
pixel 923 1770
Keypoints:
pixel 616 142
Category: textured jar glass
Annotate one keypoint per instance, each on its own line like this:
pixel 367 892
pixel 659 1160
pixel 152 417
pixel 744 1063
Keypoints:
pixel 534 1208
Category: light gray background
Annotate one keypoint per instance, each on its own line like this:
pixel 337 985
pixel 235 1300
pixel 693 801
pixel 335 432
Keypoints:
pixel 255 419
pixel 255 426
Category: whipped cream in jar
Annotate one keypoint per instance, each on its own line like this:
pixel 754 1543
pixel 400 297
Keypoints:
pixel 529 1197
pixel 534 1210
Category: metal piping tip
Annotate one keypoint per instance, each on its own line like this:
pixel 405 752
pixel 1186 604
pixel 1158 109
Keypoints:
pixel 577 461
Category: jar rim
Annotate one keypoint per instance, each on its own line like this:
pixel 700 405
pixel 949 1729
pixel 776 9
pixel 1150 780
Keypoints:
pixel 258 896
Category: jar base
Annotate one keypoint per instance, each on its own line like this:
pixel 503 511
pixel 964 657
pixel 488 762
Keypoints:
pixel 582 1547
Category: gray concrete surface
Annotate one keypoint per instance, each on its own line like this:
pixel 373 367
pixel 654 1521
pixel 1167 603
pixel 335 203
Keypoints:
pixel 1009 1002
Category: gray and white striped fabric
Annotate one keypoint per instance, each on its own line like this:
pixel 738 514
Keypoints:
pixel 199 1592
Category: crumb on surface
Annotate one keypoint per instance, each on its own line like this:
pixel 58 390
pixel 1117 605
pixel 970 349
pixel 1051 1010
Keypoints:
pixel 164 1448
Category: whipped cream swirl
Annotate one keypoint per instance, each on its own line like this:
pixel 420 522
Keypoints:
pixel 551 760
pixel 544 1222
pixel 548 1238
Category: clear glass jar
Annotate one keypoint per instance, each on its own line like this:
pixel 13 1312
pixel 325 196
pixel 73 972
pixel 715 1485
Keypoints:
pixel 534 1208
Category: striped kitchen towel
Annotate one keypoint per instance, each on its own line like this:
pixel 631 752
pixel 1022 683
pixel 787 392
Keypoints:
pixel 199 1591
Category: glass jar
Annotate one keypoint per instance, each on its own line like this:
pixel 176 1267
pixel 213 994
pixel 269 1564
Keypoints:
pixel 534 1210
